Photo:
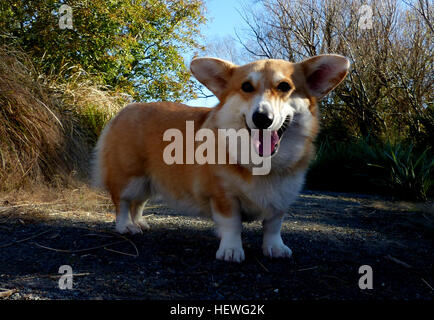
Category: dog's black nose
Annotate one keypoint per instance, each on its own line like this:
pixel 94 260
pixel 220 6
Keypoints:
pixel 262 119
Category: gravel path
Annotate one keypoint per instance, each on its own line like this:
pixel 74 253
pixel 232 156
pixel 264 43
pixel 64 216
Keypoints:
pixel 331 236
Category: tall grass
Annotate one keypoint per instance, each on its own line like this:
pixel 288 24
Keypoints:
pixel 48 124
pixel 94 105
pixel 360 165
pixel 408 172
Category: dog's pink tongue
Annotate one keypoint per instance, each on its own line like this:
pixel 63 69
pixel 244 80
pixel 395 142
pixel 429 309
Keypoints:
pixel 259 142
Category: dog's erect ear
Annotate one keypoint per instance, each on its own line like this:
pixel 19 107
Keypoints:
pixel 324 72
pixel 213 73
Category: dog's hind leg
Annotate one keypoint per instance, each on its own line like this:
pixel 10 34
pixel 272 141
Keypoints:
pixel 136 214
pixel 133 199
pixel 124 223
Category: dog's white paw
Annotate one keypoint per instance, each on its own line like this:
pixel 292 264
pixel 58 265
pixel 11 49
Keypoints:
pixel 141 222
pixel 275 248
pixel 130 228
pixel 230 254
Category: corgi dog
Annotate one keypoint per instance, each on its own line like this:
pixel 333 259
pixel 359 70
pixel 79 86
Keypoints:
pixel 271 96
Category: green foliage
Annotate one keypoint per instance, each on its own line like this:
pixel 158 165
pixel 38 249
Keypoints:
pixel 362 165
pixel 425 135
pixel 133 46
pixel 406 172
pixel 342 166
pixel 93 118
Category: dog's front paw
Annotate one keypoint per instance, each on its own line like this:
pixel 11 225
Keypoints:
pixel 275 248
pixel 230 254
pixel 130 228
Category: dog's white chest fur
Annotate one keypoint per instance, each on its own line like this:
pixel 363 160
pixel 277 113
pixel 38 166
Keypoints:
pixel 276 193
pixel 265 195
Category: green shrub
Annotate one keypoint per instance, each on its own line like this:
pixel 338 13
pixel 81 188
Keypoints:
pixel 133 46
pixel 342 166
pixel 366 166
pixel 406 172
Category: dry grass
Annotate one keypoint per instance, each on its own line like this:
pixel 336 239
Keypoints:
pixel 48 125
pixel 68 205
pixel 30 129
pixel 94 104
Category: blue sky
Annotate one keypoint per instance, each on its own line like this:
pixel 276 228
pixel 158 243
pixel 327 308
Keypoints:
pixel 223 18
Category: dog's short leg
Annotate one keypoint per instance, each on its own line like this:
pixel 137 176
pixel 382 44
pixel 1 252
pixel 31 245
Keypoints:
pixel 229 229
pixel 136 214
pixel 133 197
pixel 124 224
pixel 272 245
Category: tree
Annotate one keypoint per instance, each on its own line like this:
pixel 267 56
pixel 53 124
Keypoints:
pixel 134 46
pixel 390 87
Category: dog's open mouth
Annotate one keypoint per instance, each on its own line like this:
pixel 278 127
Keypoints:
pixel 260 137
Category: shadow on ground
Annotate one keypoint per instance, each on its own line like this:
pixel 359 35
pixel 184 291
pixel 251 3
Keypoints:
pixel 331 236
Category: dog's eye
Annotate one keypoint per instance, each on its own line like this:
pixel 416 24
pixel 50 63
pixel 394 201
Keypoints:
pixel 247 87
pixel 284 87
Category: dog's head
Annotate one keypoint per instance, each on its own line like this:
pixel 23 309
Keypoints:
pixel 271 95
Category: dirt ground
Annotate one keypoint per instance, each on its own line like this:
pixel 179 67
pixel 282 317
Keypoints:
pixel 331 236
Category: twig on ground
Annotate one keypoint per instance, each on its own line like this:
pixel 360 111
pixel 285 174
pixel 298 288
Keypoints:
pixel 6 293
pixel 98 235
pixel 263 267
pixel 306 269
pixel 79 250
pixel 53 276
pixel 23 240
pixel 402 263
pixel 120 252
pixel 126 239
pixel 104 246
pixel 60 275
pixel 424 281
